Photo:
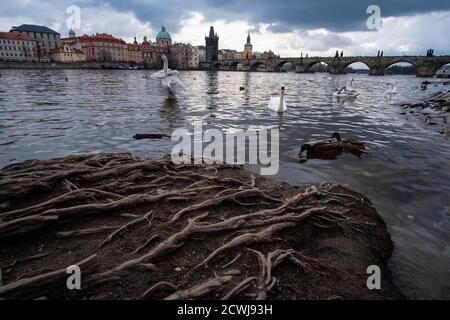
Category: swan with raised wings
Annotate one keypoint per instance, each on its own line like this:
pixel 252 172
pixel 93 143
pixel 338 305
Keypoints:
pixel 169 78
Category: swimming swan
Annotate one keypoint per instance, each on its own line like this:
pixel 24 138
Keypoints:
pixel 345 93
pixel 277 103
pixel 350 87
pixel 169 78
pixel 392 89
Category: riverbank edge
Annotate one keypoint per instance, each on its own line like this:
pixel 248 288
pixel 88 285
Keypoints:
pixel 71 66
pixel 88 65
pixel 433 111
pixel 377 245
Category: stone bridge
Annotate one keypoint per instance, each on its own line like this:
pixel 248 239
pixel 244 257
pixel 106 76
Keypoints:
pixel 425 66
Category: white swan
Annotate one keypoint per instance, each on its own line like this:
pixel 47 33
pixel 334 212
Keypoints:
pixel 169 78
pixel 277 103
pixel 345 93
pixel 392 89
pixel 349 88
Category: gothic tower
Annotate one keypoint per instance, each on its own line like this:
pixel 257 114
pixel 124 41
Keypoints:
pixel 248 49
pixel 212 46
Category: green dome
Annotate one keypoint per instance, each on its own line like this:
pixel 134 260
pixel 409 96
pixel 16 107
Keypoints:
pixel 163 34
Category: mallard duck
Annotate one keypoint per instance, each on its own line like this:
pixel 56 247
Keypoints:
pixel 332 149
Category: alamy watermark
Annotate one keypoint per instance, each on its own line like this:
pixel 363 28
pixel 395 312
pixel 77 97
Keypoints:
pixel 73 22
pixel 74 280
pixel 374 22
pixel 255 147
pixel 374 281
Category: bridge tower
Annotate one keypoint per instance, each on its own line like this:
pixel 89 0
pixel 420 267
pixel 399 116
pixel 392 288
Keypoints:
pixel 248 49
pixel 212 46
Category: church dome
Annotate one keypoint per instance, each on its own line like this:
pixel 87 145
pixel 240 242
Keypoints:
pixel 163 34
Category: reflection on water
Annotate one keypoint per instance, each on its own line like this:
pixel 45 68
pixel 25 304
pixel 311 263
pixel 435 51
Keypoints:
pixel 406 172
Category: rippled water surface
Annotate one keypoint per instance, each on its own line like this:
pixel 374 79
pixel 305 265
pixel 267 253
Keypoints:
pixel 406 173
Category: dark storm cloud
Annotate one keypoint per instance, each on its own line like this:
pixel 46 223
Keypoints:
pixel 335 15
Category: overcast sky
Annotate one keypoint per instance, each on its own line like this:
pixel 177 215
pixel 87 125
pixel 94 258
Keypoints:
pixel 289 27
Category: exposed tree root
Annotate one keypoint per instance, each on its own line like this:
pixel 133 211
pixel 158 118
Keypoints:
pixel 24 225
pixel 232 261
pixel 182 227
pixel 130 201
pixel 37 285
pixel 200 290
pixel 78 194
pixel 264 235
pixel 241 286
pixel 83 232
pixel 157 287
pixel 145 218
pixel 147 243
pixel 218 200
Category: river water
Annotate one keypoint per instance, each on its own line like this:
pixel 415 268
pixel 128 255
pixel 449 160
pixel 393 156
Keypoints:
pixel 406 173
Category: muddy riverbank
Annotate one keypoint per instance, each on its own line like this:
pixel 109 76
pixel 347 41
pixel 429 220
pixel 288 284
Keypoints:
pixel 148 229
pixel 433 111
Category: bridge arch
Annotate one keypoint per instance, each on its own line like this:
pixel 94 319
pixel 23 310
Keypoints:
pixel 234 65
pixel 310 67
pixel 356 65
pixel 256 65
pixel 397 61
pixel 393 68
pixel 442 64
pixel 216 66
pixel 280 65
pixel 349 63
